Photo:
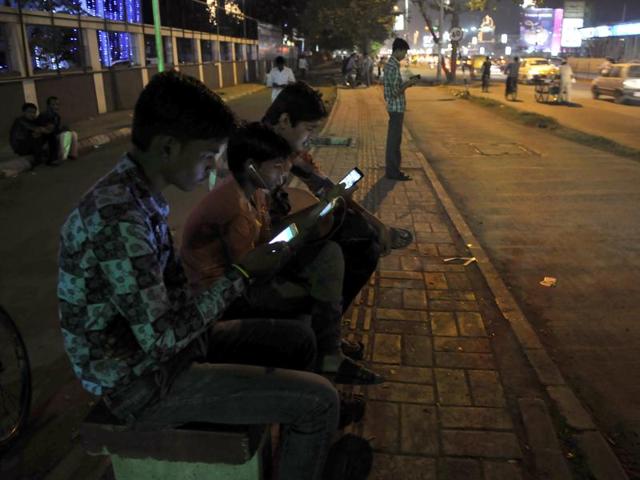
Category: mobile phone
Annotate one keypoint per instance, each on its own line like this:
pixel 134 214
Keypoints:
pixel 351 178
pixel 286 235
pixel 328 208
pixel 415 77
pixel 256 177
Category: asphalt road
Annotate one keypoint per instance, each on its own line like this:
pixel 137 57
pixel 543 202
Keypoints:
pixel 542 206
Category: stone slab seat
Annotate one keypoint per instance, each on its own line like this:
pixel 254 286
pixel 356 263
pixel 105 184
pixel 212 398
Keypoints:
pixel 192 451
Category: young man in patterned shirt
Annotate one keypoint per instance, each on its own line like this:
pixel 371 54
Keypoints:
pixel 396 102
pixel 132 328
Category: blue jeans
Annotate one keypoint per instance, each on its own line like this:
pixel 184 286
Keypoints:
pixel 235 390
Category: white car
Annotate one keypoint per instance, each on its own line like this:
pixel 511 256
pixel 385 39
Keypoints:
pixel 621 81
pixel 536 67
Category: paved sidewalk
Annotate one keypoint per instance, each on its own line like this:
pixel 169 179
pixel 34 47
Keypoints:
pixel 443 413
pixel 97 131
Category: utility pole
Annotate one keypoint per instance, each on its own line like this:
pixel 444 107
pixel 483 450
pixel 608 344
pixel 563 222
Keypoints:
pixel 440 34
pixel 156 28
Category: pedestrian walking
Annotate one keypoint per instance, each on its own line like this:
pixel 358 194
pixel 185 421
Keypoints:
pixel 396 102
pixel 279 77
pixel 486 74
pixel 303 66
pixel 512 70
pixel 351 70
pixel 566 82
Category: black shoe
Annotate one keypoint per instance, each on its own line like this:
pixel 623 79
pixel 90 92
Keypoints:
pixel 400 177
pixel 353 350
pixel 351 373
pixel 352 409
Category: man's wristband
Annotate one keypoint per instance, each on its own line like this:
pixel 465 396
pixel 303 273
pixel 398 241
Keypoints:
pixel 242 271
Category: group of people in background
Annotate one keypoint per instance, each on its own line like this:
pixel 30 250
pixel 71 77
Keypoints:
pixel 357 69
pixel 43 138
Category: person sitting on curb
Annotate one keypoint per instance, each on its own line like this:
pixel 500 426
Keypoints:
pixel 234 217
pixel 136 334
pixel 63 142
pixel 295 116
pixel 28 137
pixel 279 77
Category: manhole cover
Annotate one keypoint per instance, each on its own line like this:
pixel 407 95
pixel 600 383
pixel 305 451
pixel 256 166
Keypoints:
pixel 496 149
pixel 333 142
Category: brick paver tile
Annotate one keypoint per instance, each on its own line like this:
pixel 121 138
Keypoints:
pixel 475 418
pixel 452 387
pixel 444 323
pixel 389 467
pixel 494 470
pixel 399 314
pixel 428 249
pixel 458 281
pixel 411 263
pixel 467 443
pixel 453 306
pixel 414 299
pixel 382 422
pixel 387 348
pixel 461 344
pixel 417 351
pixel 401 283
pixel 402 392
pixel 459 469
pixel 390 298
pixel 471 324
pixel 401 275
pixel 436 281
pixel 486 388
pixel 389 262
pixel 404 374
pixel 419 429
pixel 465 360
pixel 447 249
pixel 451 295
pixel 399 327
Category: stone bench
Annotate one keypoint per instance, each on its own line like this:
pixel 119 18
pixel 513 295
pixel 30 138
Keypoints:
pixel 190 452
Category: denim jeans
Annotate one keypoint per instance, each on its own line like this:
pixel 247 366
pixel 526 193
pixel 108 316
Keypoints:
pixel 305 404
pixel 394 140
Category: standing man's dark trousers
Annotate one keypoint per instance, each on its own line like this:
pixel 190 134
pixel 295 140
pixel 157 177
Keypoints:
pixel 394 139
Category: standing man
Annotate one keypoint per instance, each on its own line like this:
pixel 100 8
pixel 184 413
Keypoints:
pixel 512 70
pixel 566 80
pixel 279 77
pixel 303 66
pixel 486 74
pixel 396 102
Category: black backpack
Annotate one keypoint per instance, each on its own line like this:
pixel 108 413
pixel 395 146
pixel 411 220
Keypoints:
pixel 350 458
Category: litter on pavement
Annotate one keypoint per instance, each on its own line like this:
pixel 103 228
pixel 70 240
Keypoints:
pixel 549 282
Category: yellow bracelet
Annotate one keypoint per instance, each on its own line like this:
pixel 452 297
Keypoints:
pixel 244 273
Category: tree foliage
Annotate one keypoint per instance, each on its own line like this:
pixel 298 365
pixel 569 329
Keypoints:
pixel 335 24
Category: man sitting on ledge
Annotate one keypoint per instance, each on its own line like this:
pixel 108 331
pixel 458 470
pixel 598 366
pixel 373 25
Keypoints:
pixel 133 329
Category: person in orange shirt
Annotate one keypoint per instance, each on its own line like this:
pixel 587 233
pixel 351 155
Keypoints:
pixel 233 218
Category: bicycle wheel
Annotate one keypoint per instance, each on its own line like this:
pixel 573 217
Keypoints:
pixel 15 381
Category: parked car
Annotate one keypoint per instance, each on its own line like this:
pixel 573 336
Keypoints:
pixel 536 67
pixel 621 81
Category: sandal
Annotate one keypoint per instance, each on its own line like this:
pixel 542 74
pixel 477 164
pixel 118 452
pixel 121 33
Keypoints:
pixel 352 408
pixel 353 350
pixel 351 373
pixel 400 237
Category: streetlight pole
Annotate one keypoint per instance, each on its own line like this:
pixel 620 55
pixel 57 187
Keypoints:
pixel 158 34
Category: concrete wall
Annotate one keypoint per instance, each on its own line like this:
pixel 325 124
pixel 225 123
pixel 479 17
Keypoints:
pixel 211 80
pixel 191 70
pixel 77 95
pixel 227 74
pixel 240 70
pixel 12 97
pixel 121 88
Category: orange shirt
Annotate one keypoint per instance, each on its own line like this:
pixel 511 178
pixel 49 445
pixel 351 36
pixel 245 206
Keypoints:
pixel 221 229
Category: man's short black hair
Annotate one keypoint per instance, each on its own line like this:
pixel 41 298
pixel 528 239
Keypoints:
pixel 515 59
pixel 51 99
pixel 301 102
pixel 400 44
pixel 254 141
pixel 280 60
pixel 182 107
pixel 27 106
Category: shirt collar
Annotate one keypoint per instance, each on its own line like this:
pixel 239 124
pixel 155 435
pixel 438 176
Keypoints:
pixel 141 183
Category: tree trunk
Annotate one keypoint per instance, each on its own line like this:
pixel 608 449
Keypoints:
pixel 455 22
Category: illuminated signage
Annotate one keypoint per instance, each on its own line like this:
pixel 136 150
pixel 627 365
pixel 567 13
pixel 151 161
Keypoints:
pixel 571 37
pixel 603 31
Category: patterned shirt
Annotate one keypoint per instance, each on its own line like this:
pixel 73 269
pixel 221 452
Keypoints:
pixel 125 306
pixel 393 92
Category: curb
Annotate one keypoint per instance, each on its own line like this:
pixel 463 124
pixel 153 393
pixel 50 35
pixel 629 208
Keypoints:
pixel 14 167
pixel 600 458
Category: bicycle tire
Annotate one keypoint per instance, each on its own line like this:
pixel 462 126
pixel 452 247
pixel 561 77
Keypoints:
pixel 11 340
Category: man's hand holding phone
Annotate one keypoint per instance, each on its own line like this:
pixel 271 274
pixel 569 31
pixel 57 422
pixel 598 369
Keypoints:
pixel 267 259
